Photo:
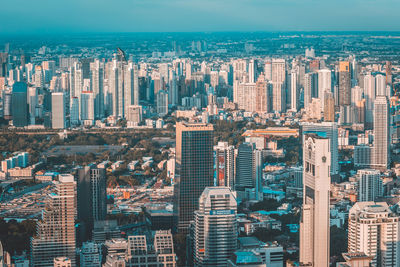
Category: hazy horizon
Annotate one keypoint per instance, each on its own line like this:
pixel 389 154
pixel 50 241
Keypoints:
pixel 139 16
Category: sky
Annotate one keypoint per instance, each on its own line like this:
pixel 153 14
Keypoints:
pixel 86 16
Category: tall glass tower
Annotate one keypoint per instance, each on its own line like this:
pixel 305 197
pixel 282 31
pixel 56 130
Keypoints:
pixel 194 169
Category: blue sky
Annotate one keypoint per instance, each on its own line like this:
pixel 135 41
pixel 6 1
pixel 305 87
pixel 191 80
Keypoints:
pixel 69 16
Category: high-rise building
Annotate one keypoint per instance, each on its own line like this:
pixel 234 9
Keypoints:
pixel 294 91
pixel 278 85
pixel 262 95
pixel 224 159
pixel 97 83
pixel 55 236
pixel 329 107
pixel 380 85
pixel 58 111
pixel 87 107
pixel 247 96
pixel 330 131
pixel 252 71
pixel 314 223
pixel 215 227
pixel 344 83
pixel 19 104
pixel 310 88
pixel 369 95
pixel 91 197
pixel 370 185
pixel 374 230
pixel 194 169
pixel 324 84
pixel 248 180
pixel 381 149
pixel 162 103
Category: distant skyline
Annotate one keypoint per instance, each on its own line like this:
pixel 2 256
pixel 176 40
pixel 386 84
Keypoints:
pixel 97 16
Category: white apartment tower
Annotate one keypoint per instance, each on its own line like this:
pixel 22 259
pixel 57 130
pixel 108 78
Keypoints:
pixel 314 224
pixel 381 149
pixel 278 85
pixel 215 227
pixel 374 230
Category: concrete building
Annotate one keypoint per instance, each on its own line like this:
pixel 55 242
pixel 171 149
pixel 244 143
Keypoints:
pixel 374 230
pixel 215 227
pixel 134 116
pixel 90 255
pixel 314 224
pixel 224 158
pixel 55 235
pixel 161 253
pixel 370 185
pixel 381 148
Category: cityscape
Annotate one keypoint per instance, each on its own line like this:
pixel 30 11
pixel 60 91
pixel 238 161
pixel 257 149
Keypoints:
pixel 232 148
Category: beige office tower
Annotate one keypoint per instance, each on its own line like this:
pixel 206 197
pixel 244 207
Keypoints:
pixel 314 224
pixel 215 227
pixel 329 107
pixel 374 230
pixel 55 235
pixel 262 96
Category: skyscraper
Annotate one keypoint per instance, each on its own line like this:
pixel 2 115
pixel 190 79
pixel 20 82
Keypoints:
pixel 97 83
pixel 162 103
pixel 314 223
pixel 91 196
pixel 194 169
pixel 324 84
pixel 329 107
pixel 310 88
pixel 262 95
pixel 344 83
pixel 370 185
pixel 374 230
pixel 87 107
pixel 19 104
pixel 278 85
pixel 369 95
pixel 58 112
pixel 55 236
pixel 215 227
pixel 294 91
pixel 224 164
pixel 248 180
pixel 381 149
